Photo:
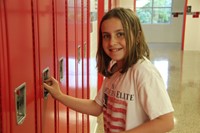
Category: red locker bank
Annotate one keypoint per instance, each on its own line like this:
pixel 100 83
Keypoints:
pixel 39 38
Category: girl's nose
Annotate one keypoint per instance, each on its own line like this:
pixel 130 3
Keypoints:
pixel 113 40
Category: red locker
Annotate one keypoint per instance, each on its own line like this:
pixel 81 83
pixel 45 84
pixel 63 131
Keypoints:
pixel 100 14
pixel 85 55
pixel 1 72
pixel 79 59
pixel 18 68
pixel 71 61
pixel 39 39
pixel 60 40
pixel 45 49
pixel 4 93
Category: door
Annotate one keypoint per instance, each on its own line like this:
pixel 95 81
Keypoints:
pixel 46 51
pixel 71 63
pixel 79 59
pixel 61 50
pixel 85 54
pixel 4 93
pixel 19 60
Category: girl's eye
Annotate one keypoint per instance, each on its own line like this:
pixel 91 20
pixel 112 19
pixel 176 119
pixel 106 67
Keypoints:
pixel 120 34
pixel 106 36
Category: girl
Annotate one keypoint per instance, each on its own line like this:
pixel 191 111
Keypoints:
pixel 133 97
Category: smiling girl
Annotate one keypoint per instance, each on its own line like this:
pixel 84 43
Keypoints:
pixel 133 97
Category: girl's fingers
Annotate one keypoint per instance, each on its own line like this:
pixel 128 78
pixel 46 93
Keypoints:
pixel 47 80
pixel 50 81
pixel 53 80
pixel 46 86
pixel 50 84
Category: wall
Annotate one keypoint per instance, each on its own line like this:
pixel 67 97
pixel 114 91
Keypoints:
pixel 192 28
pixel 127 3
pixel 167 33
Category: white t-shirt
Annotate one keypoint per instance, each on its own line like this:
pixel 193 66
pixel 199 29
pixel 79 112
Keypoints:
pixel 132 98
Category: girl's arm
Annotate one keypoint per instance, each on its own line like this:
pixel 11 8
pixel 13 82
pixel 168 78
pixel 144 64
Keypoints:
pixel 85 106
pixel 162 124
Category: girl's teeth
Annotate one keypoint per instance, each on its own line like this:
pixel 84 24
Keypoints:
pixel 114 50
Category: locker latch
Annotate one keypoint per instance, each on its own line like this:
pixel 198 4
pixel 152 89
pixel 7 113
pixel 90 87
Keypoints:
pixel 61 68
pixel 79 53
pixel 20 103
pixel 45 76
pixel 85 49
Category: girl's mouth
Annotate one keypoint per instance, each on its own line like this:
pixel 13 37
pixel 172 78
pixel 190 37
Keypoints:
pixel 115 50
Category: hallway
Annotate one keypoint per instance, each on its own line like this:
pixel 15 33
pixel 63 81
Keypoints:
pixel 183 84
pixel 181 73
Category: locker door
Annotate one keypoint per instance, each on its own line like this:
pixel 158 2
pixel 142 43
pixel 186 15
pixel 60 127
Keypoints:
pixel 46 63
pixel 1 76
pixel 19 56
pixel 1 72
pixel 85 42
pixel 79 59
pixel 4 93
pixel 61 38
pixel 71 53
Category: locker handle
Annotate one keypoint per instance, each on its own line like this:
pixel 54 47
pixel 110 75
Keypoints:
pixel 20 103
pixel 45 76
pixel 85 49
pixel 61 68
pixel 79 53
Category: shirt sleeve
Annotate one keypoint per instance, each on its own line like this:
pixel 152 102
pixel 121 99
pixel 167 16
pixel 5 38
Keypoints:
pixel 99 98
pixel 152 93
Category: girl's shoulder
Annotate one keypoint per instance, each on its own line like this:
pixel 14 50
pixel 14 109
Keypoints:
pixel 144 67
pixel 142 64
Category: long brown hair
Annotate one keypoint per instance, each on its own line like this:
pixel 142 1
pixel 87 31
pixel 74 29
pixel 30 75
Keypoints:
pixel 135 41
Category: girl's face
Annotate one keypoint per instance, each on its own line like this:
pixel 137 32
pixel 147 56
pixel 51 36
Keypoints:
pixel 114 43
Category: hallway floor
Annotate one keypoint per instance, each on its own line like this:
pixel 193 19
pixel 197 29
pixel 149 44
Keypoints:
pixel 181 73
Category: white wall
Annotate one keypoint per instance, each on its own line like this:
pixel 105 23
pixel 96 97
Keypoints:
pixel 127 3
pixel 167 33
pixel 93 5
pixel 192 28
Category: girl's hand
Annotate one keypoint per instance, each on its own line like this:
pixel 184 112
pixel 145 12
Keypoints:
pixel 52 86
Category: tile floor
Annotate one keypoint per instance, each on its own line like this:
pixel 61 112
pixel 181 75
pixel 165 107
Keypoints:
pixel 181 73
